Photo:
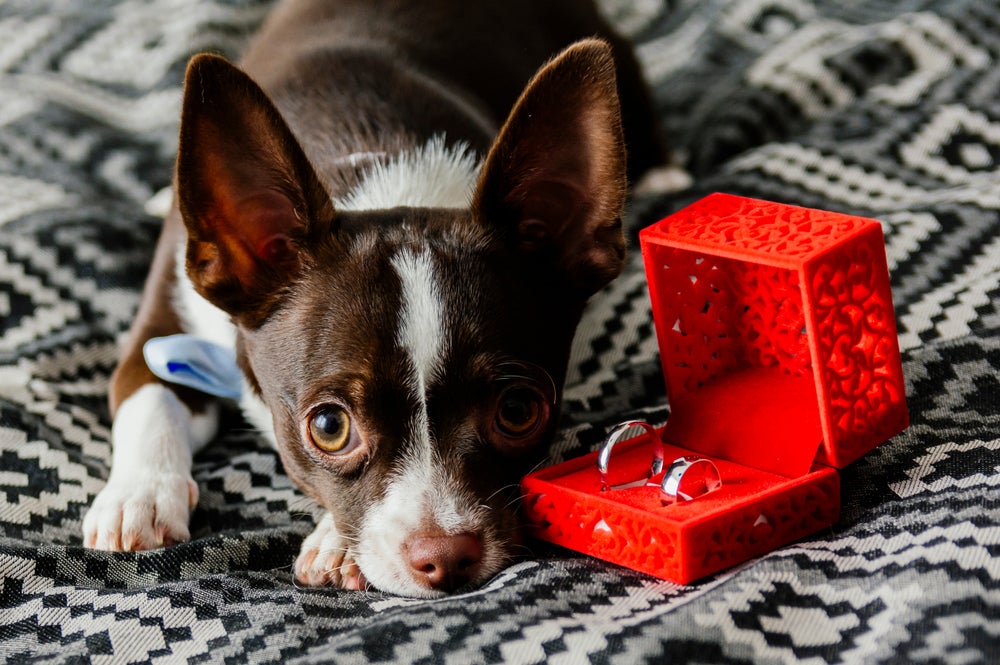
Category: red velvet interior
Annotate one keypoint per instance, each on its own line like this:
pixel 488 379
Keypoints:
pixel 631 460
pixel 761 417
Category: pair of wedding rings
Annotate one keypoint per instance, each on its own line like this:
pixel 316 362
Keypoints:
pixel 688 477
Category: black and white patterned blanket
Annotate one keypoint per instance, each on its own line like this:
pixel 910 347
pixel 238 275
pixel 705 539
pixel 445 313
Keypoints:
pixel 886 109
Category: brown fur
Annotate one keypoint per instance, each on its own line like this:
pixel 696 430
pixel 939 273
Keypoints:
pixel 312 289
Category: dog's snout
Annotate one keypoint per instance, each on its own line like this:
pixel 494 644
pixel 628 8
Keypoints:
pixel 444 562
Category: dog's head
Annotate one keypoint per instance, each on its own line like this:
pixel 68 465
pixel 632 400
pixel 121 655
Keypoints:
pixel 412 358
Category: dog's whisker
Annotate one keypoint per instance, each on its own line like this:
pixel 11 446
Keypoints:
pixel 541 464
pixel 505 488
pixel 513 502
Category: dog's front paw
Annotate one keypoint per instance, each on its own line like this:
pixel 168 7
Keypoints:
pixel 141 512
pixel 326 559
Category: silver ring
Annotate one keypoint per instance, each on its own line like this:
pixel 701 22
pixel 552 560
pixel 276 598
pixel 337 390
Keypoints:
pixel 689 477
pixel 614 437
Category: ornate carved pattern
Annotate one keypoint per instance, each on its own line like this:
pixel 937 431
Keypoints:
pixel 720 314
pixel 602 529
pixel 742 225
pixel 857 347
pixel 764 525
pixel 681 551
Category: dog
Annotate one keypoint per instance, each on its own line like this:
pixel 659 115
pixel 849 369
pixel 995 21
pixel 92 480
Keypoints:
pixel 392 213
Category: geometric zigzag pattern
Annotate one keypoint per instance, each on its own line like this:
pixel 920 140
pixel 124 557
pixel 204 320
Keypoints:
pixel 886 109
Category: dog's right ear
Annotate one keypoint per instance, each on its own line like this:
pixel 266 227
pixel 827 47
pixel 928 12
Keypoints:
pixel 553 184
pixel 245 189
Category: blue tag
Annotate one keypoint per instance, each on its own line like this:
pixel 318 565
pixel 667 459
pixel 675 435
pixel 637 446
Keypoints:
pixel 196 363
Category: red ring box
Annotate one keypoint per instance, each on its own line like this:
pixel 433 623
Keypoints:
pixel 778 342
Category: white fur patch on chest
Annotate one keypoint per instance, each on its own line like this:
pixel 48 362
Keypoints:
pixel 435 175
pixel 198 316
pixel 203 319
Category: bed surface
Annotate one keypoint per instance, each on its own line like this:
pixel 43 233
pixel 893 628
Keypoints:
pixel 884 109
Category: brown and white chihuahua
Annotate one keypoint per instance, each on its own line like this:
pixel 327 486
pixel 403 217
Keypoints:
pixel 395 222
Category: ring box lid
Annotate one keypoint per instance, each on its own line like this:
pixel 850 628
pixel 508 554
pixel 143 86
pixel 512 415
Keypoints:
pixel 776 333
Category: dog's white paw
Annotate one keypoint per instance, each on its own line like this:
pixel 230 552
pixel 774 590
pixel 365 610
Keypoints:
pixel 141 512
pixel 326 559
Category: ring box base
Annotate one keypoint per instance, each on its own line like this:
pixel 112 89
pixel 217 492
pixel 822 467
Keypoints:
pixel 752 513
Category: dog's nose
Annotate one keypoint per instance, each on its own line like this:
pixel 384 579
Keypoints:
pixel 444 562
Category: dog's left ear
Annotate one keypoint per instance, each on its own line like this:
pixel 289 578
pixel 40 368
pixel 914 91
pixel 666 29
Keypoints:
pixel 554 182
pixel 245 189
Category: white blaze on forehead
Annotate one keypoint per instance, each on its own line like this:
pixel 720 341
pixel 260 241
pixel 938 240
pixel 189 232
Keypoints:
pixel 421 325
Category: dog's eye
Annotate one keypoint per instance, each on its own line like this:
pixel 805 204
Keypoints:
pixel 520 411
pixel 330 429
